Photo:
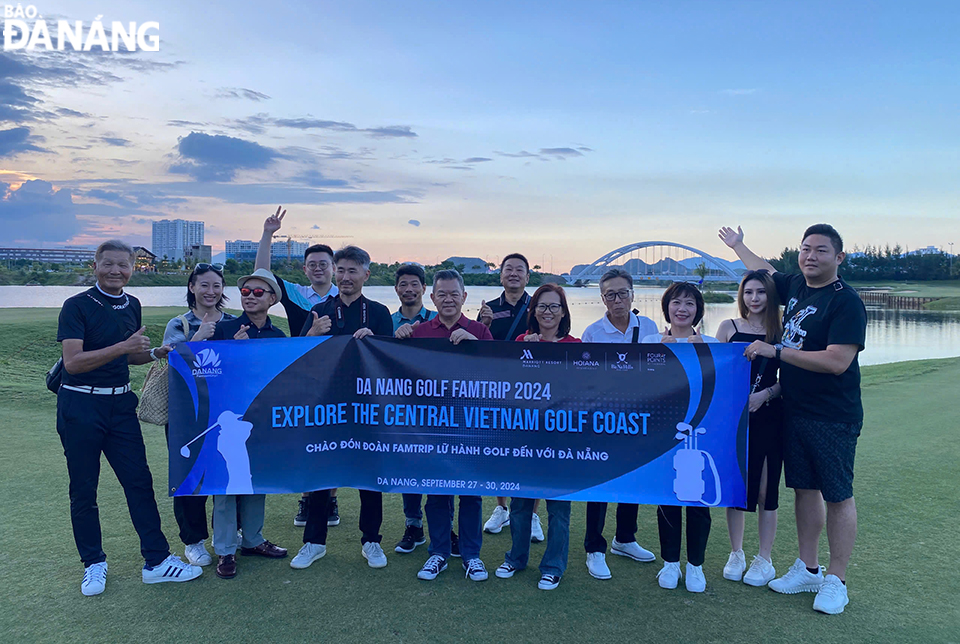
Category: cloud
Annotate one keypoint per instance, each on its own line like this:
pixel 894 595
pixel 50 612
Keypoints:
pixel 257 124
pixel 115 141
pixel 477 160
pixel 522 154
pixel 390 131
pixel 217 157
pixel 242 93
pixel 414 222
pixel 315 227
pixel 64 111
pixel 36 213
pixel 180 123
pixel 315 179
pixel 584 148
pixel 560 153
pixel 17 140
pixel 739 92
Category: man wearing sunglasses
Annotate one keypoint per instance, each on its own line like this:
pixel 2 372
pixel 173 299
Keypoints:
pixel 618 325
pixel 348 313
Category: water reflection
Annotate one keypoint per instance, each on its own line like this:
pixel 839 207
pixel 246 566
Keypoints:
pixel 892 335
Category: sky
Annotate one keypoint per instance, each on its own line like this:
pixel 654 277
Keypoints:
pixel 422 130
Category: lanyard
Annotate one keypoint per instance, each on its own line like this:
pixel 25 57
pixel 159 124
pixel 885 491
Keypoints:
pixel 341 322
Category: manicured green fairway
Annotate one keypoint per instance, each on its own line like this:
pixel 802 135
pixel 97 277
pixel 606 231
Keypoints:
pixel 903 584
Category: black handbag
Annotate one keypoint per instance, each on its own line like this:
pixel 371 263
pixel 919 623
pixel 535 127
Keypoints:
pixel 55 376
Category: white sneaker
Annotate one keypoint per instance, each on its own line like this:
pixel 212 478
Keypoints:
pixel 798 580
pixel 597 565
pixel 736 564
pixel 548 582
pixel 669 576
pixel 433 567
pixel 197 554
pixel 761 572
pixel 832 596
pixel 536 529
pixel 374 554
pixel 498 520
pixel 632 550
pixel 173 568
pixel 505 571
pixel 696 582
pixel 475 570
pixel 94 579
pixel 309 553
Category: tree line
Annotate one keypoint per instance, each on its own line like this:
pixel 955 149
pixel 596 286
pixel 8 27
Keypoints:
pixel 888 263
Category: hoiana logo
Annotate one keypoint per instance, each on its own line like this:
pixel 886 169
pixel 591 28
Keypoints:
pixel 207 364
pixel 117 36
pixel 585 362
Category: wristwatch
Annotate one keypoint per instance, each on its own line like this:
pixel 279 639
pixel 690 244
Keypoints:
pixel 779 348
pixel 153 356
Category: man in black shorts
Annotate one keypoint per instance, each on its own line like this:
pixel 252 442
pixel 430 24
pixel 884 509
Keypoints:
pixel 824 327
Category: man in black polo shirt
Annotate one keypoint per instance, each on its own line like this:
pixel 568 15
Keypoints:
pixel 823 332
pixel 349 313
pixel 506 317
pixel 101 334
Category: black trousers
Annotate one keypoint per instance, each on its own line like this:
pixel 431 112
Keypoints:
pixel 371 517
pixel 670 524
pixel 91 425
pixel 593 540
pixel 190 512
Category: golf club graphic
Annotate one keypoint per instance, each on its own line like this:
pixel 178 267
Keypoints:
pixel 232 447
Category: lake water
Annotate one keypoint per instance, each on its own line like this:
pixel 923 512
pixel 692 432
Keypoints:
pixel 892 335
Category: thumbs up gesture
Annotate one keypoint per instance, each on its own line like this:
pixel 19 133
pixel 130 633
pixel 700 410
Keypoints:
pixel 320 325
pixel 486 313
pixel 138 342
pixel 207 326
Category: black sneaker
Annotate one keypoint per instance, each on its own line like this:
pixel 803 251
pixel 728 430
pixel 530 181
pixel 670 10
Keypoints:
pixel 454 544
pixel 334 517
pixel 412 537
pixel 301 519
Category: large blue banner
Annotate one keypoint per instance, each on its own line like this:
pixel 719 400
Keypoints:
pixel 642 423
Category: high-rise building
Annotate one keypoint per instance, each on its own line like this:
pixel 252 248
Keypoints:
pixel 288 249
pixel 172 238
pixel 241 249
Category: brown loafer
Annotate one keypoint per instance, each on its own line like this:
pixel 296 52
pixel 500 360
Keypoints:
pixel 227 567
pixel 265 549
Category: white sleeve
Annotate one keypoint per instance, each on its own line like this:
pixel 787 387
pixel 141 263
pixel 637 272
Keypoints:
pixel 653 338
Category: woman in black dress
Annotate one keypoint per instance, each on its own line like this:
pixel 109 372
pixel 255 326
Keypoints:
pixel 759 319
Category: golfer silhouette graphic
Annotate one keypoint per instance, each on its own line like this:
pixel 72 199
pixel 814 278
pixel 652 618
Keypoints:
pixel 223 465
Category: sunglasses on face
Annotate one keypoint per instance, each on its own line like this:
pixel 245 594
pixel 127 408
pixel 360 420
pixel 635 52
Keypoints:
pixel 256 292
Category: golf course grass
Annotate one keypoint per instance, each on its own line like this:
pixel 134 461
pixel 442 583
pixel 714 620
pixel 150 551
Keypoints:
pixel 901 581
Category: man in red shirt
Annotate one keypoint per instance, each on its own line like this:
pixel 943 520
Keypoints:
pixel 448 296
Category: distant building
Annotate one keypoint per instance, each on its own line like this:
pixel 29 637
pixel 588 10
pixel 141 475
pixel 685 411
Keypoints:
pixel 288 249
pixel 49 255
pixel 471 265
pixel 929 250
pixel 198 253
pixel 144 261
pixel 241 250
pixel 172 238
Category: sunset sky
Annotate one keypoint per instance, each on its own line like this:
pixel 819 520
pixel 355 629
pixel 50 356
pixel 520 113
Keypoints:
pixel 562 130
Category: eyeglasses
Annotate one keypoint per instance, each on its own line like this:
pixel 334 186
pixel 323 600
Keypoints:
pixel 202 266
pixel 553 308
pixel 321 265
pixel 613 296
pixel 257 292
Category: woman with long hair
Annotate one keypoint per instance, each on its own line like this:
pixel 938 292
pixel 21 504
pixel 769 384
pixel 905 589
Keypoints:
pixel 759 310
pixel 205 299
pixel 548 320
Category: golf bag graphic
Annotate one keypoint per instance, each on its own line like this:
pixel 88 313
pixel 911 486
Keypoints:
pixel 688 462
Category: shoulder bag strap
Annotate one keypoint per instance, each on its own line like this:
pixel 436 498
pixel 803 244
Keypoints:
pixel 516 320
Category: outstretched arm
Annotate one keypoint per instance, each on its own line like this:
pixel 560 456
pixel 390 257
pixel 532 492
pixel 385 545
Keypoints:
pixel 270 226
pixel 734 239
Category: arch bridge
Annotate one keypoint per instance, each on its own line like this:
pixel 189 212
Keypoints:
pixel 657 260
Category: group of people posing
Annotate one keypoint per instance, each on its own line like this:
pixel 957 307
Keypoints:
pixel 804 404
